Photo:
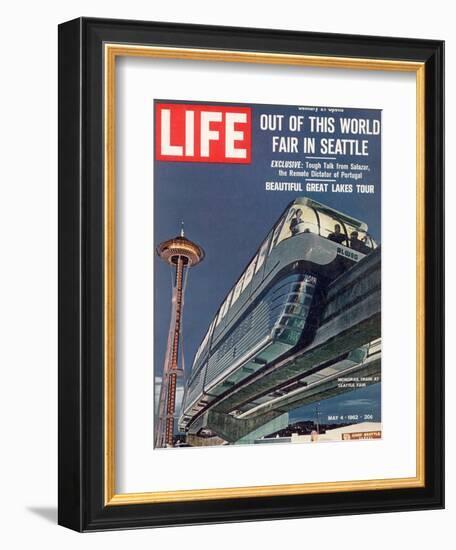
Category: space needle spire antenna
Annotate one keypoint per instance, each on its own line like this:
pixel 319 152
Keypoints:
pixel 181 254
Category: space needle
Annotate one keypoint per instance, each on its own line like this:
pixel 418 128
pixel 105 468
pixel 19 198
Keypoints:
pixel 180 254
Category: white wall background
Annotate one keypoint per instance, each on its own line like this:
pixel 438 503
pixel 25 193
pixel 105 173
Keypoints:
pixel 28 276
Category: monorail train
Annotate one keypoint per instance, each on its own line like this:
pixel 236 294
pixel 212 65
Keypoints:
pixel 275 304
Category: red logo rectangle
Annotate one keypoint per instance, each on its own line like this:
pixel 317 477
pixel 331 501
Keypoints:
pixel 203 133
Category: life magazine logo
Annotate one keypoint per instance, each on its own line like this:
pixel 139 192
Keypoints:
pixel 203 133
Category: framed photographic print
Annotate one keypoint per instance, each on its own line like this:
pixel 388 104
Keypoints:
pixel 250 274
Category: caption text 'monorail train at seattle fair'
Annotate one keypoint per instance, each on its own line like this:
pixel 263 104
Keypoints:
pixel 275 306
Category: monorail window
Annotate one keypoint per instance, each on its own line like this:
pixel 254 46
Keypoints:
pixel 224 308
pixel 238 289
pixel 198 353
pixel 300 309
pixel 210 331
pixel 218 317
pixel 293 322
pixel 206 338
pixel 276 233
pixel 359 240
pixel 287 335
pixel 370 242
pixel 227 303
pixel 342 232
pixel 262 253
pixel 299 219
pixel 249 274
pixel 332 228
pixel 205 341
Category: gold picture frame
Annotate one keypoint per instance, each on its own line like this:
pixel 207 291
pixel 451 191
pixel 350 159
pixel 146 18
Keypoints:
pixel 111 53
pixel 108 50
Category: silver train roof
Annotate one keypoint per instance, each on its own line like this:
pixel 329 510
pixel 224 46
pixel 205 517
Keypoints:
pixel 305 201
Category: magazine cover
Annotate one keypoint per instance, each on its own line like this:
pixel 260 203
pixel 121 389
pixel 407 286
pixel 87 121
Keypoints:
pixel 267 321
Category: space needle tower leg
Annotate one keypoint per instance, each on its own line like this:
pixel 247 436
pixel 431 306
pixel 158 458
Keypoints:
pixel 174 353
